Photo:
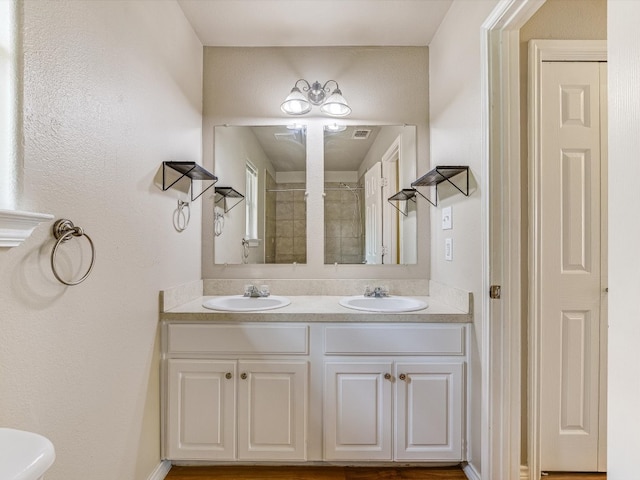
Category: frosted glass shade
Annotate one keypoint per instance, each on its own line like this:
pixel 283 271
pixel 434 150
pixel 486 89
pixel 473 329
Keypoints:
pixel 336 105
pixel 296 103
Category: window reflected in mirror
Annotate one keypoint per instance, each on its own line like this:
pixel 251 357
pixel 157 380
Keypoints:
pixel 266 164
pixel 363 167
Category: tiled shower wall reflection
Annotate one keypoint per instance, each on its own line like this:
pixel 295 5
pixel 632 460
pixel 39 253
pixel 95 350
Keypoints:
pixel 343 220
pixel 286 223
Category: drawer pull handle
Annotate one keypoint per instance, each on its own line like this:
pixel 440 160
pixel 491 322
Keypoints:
pixel 243 376
pixel 402 376
pixel 387 376
pixel 228 375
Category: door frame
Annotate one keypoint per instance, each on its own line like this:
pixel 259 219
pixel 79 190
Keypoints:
pixel 541 51
pixel 500 326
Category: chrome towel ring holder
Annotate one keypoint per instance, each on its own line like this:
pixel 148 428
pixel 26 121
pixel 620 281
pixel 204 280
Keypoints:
pixel 65 230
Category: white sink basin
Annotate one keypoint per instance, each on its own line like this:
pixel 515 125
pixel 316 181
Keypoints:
pixel 239 303
pixel 388 304
pixel 24 455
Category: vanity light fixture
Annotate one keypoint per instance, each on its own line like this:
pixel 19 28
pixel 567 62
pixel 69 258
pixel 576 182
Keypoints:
pixel 298 103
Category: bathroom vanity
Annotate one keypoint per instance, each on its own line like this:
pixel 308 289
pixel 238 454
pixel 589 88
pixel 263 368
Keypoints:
pixel 314 381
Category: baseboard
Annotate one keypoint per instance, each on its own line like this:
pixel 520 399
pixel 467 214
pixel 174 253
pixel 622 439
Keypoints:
pixel 524 472
pixel 471 472
pixel 161 471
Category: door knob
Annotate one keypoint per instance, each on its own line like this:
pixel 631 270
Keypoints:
pixel 387 376
pixel 402 376
pixel 228 375
pixel 243 376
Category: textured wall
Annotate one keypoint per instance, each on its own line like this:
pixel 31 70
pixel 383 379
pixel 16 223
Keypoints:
pixel 111 89
pixel 455 117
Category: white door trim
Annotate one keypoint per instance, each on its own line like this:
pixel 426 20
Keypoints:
pixel 539 51
pixel 500 328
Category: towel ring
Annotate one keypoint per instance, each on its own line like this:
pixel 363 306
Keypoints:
pixel 64 230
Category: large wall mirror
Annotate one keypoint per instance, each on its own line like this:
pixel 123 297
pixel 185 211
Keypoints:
pixel 363 167
pixel 266 164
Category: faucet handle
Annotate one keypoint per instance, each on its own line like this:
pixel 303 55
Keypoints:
pixel 248 289
pixel 367 291
pixel 264 290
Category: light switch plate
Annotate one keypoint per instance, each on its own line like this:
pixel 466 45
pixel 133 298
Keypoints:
pixel 448 249
pixel 447 218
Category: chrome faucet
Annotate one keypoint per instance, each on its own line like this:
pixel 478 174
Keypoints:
pixel 254 292
pixel 377 292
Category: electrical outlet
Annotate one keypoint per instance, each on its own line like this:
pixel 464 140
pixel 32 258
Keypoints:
pixel 447 218
pixel 448 249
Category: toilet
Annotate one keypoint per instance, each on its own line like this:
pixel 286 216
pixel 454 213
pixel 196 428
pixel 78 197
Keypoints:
pixel 24 455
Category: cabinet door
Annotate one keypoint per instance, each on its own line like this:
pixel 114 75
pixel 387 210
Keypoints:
pixel 428 423
pixel 201 410
pixel 357 411
pixel 272 410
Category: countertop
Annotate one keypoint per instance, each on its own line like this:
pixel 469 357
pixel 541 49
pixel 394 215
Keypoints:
pixel 317 308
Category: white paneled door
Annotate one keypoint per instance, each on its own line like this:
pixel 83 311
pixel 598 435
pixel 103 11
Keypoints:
pixel 373 214
pixel 573 266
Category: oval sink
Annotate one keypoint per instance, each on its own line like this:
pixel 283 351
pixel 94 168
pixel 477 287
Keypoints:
pixel 389 304
pixel 239 303
pixel 24 455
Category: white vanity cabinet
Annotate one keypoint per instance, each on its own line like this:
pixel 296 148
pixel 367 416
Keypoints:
pixel 316 391
pixel 395 393
pixel 229 395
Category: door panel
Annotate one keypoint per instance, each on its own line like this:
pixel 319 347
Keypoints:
pixel 373 214
pixel 570 280
pixel 429 411
pixel 272 410
pixel 201 410
pixel 357 411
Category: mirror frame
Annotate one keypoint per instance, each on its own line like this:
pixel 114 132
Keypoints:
pixel 315 267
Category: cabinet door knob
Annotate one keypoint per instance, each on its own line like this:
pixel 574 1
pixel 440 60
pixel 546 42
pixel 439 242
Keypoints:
pixel 402 376
pixel 228 375
pixel 387 376
pixel 243 376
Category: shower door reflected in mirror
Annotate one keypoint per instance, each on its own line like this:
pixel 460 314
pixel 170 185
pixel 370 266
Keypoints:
pixel 266 164
pixel 363 167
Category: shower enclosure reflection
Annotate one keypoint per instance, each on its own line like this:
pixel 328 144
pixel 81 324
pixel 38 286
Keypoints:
pixel 266 164
pixel 363 167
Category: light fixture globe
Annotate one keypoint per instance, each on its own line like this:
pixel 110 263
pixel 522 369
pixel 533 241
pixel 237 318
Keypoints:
pixel 336 105
pixel 295 103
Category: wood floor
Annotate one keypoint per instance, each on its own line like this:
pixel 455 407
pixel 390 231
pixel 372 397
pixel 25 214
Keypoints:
pixel 575 476
pixel 314 473
pixel 340 473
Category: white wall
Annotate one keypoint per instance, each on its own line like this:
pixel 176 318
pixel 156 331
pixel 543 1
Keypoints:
pixel 384 85
pixel 624 238
pixel 455 118
pixel 111 89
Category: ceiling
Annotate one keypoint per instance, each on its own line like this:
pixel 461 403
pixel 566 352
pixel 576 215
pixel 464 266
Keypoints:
pixel 315 23
pixel 286 149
